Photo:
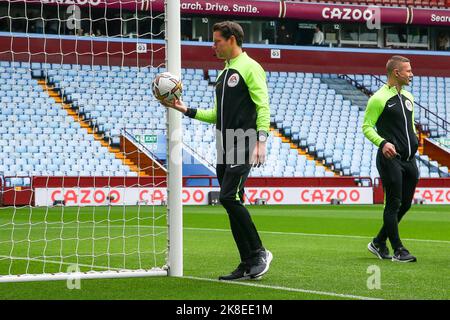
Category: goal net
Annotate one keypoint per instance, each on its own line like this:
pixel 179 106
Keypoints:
pixel 90 172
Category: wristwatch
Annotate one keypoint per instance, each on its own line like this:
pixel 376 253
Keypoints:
pixel 262 136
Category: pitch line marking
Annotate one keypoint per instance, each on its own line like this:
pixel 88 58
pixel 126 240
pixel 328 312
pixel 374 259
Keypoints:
pixel 324 293
pixel 320 235
pixel 256 285
pixel 227 230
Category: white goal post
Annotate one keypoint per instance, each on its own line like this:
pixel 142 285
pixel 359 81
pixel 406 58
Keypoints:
pixel 175 145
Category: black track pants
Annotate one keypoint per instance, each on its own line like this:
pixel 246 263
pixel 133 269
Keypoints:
pixel 232 179
pixel 399 180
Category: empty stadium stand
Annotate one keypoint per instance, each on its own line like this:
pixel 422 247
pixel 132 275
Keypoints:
pixel 328 123
pixel 37 137
pixel 316 120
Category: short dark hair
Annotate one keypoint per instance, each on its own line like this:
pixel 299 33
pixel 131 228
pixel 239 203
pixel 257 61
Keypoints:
pixel 393 63
pixel 228 29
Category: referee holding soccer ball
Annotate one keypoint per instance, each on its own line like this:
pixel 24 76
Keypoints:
pixel 242 117
pixel 391 111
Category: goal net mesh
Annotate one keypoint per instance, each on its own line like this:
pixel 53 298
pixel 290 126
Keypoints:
pixel 83 150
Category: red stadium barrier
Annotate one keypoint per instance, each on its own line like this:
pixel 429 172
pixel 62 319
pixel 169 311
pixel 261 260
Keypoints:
pixel 429 190
pixel 97 182
pixel 295 182
pixel 378 194
pixel 436 152
pixel 96 190
pixel 17 196
pixel 26 195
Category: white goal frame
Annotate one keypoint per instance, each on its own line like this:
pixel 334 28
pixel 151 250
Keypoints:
pixel 174 260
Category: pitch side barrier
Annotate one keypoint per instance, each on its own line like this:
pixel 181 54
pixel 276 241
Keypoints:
pixel 114 191
pixel 428 191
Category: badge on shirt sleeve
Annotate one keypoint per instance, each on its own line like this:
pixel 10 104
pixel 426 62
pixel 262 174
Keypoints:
pixel 409 105
pixel 233 80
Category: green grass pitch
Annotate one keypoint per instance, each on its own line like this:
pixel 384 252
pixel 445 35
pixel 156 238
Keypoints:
pixel 320 252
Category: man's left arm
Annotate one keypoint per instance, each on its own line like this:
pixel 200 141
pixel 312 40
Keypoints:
pixel 411 97
pixel 413 117
pixel 257 86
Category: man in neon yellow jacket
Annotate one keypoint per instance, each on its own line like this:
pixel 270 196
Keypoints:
pixel 391 111
pixel 242 117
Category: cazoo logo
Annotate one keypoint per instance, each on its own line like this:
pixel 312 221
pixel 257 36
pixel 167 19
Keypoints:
pixel 351 14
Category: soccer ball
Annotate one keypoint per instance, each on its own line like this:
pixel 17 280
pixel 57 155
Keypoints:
pixel 167 87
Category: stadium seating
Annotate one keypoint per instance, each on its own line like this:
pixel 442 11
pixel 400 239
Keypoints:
pixel 328 124
pixel 123 99
pixel 310 109
pixel 321 120
pixel 394 3
pixel 38 138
